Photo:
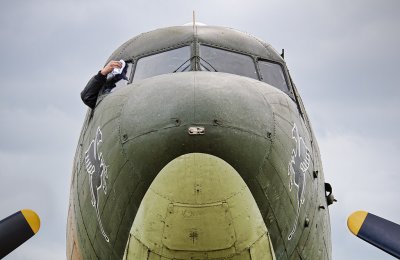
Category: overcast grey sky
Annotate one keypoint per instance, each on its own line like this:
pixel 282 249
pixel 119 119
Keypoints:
pixel 343 56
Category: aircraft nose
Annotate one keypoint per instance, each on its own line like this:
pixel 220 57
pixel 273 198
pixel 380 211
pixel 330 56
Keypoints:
pixel 220 114
pixel 213 115
pixel 150 123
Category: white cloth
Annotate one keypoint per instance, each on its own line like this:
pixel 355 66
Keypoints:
pixel 117 71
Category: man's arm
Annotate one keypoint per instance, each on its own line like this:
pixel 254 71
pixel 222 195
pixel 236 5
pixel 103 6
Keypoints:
pixel 91 91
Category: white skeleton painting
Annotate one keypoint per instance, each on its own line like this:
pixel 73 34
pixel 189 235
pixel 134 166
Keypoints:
pixel 97 170
pixel 297 168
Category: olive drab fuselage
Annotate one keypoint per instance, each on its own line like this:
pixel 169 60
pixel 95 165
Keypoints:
pixel 216 110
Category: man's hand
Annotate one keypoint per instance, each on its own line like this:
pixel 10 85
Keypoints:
pixel 110 66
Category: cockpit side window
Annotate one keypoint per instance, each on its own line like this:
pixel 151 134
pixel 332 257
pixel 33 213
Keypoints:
pixel 218 60
pixel 176 60
pixel 124 82
pixel 272 74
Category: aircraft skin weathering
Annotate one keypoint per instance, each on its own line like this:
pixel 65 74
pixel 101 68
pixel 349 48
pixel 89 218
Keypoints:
pixel 206 152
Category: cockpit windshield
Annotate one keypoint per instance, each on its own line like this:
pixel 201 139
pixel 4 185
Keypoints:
pixel 211 59
pixel 218 60
pixel 176 60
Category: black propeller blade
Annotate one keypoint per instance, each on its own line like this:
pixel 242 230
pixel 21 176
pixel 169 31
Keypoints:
pixel 16 229
pixel 377 231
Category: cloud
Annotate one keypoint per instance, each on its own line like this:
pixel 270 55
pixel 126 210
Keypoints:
pixel 342 55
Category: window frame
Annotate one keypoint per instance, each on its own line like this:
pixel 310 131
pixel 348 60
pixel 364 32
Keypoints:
pixel 129 61
pixel 285 75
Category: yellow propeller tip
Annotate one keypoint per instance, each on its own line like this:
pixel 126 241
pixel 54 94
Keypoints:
pixel 32 218
pixel 356 220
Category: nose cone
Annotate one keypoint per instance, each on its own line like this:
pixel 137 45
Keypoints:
pixel 236 117
pixel 198 207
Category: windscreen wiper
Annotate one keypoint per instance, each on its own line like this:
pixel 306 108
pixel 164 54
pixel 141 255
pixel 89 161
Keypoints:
pixel 215 70
pixel 182 65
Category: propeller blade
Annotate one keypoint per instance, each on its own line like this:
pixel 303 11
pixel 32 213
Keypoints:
pixel 16 229
pixel 377 231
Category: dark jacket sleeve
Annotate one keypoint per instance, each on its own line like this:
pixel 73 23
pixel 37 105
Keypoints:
pixel 91 91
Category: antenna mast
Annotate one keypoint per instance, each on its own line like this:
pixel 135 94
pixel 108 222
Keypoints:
pixel 194 23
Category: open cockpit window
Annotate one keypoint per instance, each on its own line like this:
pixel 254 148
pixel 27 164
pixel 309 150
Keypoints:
pixel 218 60
pixel 176 60
pixel 272 74
pixel 123 82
